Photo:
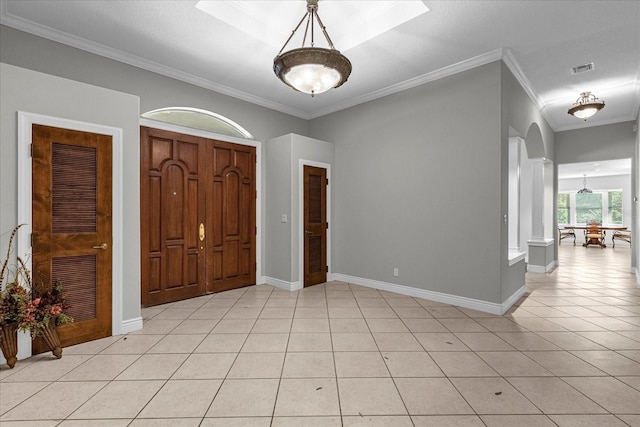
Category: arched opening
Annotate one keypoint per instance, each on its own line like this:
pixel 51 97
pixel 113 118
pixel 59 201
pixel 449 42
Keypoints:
pixel 198 119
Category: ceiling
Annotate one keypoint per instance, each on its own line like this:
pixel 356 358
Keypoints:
pixel 539 40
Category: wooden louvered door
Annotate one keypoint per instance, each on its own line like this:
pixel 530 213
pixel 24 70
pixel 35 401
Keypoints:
pixel 71 209
pixel 198 216
pixel 315 225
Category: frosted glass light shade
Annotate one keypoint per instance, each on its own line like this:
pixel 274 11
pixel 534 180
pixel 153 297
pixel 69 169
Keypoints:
pixel 586 106
pixel 312 70
pixel 312 78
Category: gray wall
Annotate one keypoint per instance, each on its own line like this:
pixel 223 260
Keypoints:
pixel 607 142
pixel 417 185
pixel 29 91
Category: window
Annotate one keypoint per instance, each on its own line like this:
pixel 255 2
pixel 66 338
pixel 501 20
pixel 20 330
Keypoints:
pixel 564 208
pixel 615 208
pixel 198 119
pixel 589 208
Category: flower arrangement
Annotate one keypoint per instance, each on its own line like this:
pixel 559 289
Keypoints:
pixel 14 298
pixel 47 307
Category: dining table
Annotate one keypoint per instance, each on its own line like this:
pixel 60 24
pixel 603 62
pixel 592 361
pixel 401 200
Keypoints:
pixel 598 228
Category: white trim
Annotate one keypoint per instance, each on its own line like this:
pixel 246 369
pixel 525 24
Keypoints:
pixel 131 325
pixel 301 164
pixel 282 284
pixel 25 122
pixel 541 268
pixel 543 243
pixel 217 116
pixel 227 138
pixel 516 256
pixel 474 304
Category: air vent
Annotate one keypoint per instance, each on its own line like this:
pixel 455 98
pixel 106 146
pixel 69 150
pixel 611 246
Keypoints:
pixel 583 68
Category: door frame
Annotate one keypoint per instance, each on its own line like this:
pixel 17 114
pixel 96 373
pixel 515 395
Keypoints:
pixel 258 178
pixel 25 122
pixel 301 164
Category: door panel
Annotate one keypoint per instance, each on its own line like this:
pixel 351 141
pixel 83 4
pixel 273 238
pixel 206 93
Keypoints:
pixel 71 210
pixel 315 225
pixel 171 209
pixel 187 181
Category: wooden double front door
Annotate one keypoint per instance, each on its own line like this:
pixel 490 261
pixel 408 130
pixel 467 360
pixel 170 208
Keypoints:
pixel 198 216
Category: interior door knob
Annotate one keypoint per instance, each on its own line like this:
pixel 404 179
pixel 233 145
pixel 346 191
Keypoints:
pixel 102 246
pixel 307 232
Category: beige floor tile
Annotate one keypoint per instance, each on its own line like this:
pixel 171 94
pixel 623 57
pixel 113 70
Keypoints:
pixel 157 326
pixel 341 303
pixel 386 325
pixel 424 325
pixel 396 341
pixel 412 312
pixel 209 313
pixel 436 341
pixel 277 313
pixel 587 421
pixel 345 313
pixel 14 393
pixel 178 344
pixel 271 326
pixel 235 422
pixel 536 324
pixel 431 396
pixel 378 313
pixel 233 326
pixel 310 325
pixel 348 325
pixel 118 399
pixel 239 312
pixel 264 343
pixel 563 363
pixel 632 420
pixel 309 365
pixel 276 302
pixel 447 421
pixel 56 401
pixel 375 302
pixel 222 343
pixel 166 422
pixel 369 396
pixel 47 368
pixel 195 398
pixel 94 423
pixel 377 421
pixel 101 367
pixel 570 341
pixel 133 344
pixel 307 397
pixel 311 341
pixel 353 342
pixel 513 364
pixel 610 362
pixel 312 303
pixel 462 325
pixel 355 364
pixel 483 341
pixel 205 366
pixel 411 364
pixel 311 313
pixel 328 421
pixel 611 394
pixel 91 347
pixel 554 396
pixel 612 340
pixel 442 311
pixel 153 367
pixel 517 420
pixel 194 326
pixel 48 423
pixel 493 396
pixel 462 364
pixel 257 365
pixel 526 341
pixel 245 398
pixel 631 381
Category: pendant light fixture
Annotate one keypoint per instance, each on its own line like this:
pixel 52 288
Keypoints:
pixel 586 106
pixel 584 186
pixel 311 70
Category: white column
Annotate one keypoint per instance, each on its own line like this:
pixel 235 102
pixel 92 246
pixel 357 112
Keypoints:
pixel 537 204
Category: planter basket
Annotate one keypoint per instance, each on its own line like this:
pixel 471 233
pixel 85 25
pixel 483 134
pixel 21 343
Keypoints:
pixel 9 343
pixel 50 337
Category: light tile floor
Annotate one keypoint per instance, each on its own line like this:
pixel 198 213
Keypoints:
pixel 342 355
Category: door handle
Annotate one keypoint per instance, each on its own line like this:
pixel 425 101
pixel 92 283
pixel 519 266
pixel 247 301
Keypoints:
pixel 201 232
pixel 307 232
pixel 102 246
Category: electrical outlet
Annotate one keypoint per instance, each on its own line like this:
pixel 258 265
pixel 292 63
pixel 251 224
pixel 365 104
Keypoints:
pixel 283 218
pixel 396 272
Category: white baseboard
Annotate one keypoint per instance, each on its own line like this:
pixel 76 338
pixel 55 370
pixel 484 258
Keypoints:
pixel 474 304
pixel 282 284
pixel 131 325
pixel 542 269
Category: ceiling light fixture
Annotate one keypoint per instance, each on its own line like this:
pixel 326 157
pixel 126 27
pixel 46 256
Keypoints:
pixel 311 69
pixel 584 186
pixel 586 106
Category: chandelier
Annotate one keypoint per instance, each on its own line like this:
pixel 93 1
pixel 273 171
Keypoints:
pixel 311 69
pixel 584 186
pixel 586 106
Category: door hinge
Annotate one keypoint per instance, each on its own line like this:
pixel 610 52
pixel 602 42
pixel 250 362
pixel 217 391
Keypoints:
pixel 327 181
pixel 327 226
pixel 31 240
pixel 327 268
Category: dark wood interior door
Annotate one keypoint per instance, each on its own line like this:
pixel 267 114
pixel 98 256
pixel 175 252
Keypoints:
pixel 198 216
pixel 231 216
pixel 315 225
pixel 172 207
pixel 71 209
